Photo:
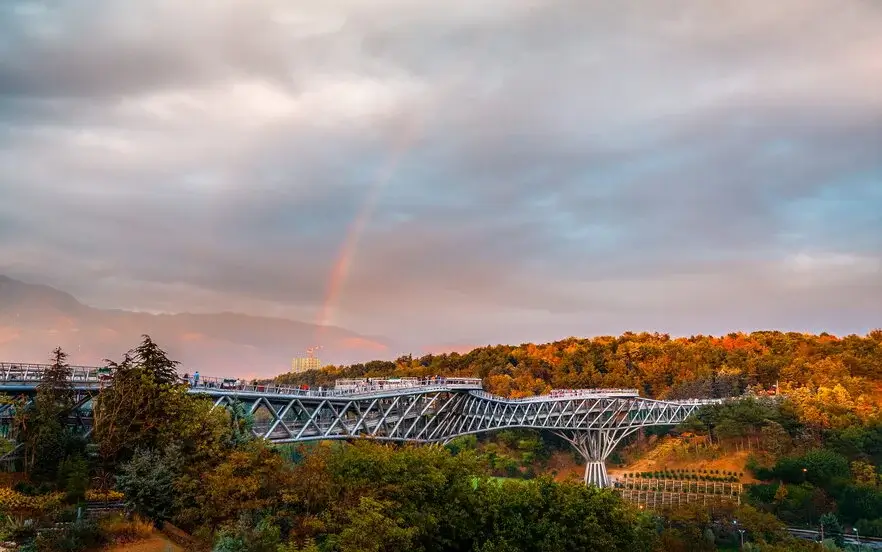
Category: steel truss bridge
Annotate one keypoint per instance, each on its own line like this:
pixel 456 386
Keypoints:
pixel 415 410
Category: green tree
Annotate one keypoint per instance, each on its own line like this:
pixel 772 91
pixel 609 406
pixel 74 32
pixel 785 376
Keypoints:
pixel 781 493
pixel 156 362
pixel 248 535
pixel 832 528
pixel 140 406
pixel 148 483
pixel 775 438
pixel 864 473
pixel 42 424
pixel 247 481
pixel 374 526
pixel 55 389
pixel 241 423
pixel 125 415
pixel 545 516
pixel 73 477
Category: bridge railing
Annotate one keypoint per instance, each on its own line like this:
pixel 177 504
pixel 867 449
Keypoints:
pixel 697 401
pixel 25 373
pixel 374 384
pixel 349 387
pixel 611 392
pixel 566 394
pixel 20 372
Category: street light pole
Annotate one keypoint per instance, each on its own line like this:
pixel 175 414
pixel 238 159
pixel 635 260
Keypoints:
pixel 740 530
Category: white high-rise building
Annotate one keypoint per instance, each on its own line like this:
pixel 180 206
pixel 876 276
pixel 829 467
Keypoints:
pixel 302 364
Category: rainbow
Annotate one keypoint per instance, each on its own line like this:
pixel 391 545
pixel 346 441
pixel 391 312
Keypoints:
pixel 347 252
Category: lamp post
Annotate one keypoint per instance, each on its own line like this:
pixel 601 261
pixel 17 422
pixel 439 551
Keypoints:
pixel 740 530
pixel 858 537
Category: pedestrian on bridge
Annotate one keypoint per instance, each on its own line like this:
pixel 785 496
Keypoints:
pixel 196 378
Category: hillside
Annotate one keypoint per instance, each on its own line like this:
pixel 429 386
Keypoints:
pixel 810 455
pixel 656 364
pixel 35 318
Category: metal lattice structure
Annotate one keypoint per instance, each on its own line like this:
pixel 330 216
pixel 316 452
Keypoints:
pixel 417 410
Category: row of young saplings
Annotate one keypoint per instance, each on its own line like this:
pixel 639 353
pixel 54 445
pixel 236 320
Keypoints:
pixel 690 475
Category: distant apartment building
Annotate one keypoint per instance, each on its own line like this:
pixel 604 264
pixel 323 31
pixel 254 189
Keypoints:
pixel 302 364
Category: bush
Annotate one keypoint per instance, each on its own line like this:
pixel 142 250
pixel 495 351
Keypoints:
pixel 246 536
pixel 117 529
pixel 25 488
pixel 77 537
pixel 15 501
pixel 94 495
pixel 147 481
pixel 73 477
pixel 819 466
pixel 16 529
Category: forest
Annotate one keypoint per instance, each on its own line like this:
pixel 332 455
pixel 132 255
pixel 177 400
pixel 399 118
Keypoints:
pixel 813 423
pixel 812 416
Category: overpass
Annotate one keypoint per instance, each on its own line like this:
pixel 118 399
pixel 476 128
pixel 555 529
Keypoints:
pixel 416 410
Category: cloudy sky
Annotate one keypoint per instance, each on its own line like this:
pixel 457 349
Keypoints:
pixel 450 172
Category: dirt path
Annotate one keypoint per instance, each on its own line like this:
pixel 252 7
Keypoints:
pixel 156 543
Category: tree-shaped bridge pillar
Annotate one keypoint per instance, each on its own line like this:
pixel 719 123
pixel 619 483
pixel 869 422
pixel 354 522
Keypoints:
pixel 595 446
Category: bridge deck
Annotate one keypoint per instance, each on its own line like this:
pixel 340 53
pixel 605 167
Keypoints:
pixel 424 410
pixel 22 377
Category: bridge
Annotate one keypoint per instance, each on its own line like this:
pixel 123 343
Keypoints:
pixel 416 410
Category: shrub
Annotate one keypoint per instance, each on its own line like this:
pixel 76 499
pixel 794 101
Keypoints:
pixel 13 528
pixel 94 495
pixel 25 487
pixel 78 536
pixel 117 529
pixel 11 500
pixel 147 480
pixel 73 477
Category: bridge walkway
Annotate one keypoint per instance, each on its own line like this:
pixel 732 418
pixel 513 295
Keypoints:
pixel 421 410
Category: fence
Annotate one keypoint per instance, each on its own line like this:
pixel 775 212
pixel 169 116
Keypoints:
pixel 656 493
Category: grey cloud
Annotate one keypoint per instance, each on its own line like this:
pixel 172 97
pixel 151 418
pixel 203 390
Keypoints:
pixel 580 159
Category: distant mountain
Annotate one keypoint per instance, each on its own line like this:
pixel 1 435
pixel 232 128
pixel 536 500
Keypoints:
pixel 36 318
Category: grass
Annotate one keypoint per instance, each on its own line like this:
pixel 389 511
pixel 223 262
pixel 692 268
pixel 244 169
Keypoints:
pixel 134 535
pixel 119 530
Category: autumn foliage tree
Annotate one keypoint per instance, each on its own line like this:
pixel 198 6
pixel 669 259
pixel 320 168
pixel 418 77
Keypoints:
pixel 657 364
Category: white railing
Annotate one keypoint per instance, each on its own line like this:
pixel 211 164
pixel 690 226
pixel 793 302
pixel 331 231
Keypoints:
pixel 404 383
pixel 28 373
pixel 696 401
pixel 341 388
pixel 565 394
pixel 609 392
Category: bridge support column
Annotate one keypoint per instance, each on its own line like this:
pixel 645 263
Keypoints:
pixel 595 474
pixel 595 446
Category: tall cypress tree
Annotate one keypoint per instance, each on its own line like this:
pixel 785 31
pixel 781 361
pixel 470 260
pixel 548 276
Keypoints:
pixel 156 362
pixel 131 412
pixel 55 390
pixel 42 424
